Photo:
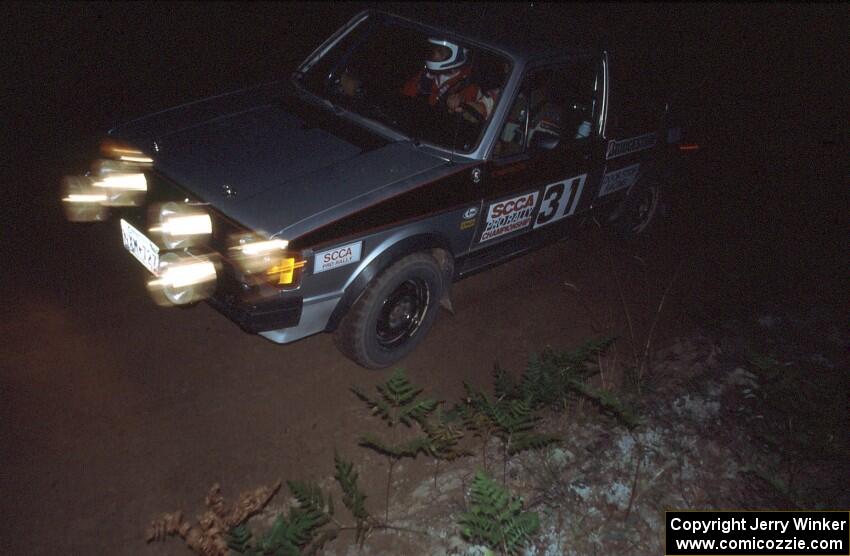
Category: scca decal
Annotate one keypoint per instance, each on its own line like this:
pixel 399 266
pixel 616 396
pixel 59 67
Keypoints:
pixel 510 215
pixel 336 257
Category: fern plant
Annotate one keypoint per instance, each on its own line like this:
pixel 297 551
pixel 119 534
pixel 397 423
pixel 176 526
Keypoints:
pixel 312 507
pixel 553 378
pixel 444 434
pixel 503 383
pixel 475 417
pixel 303 530
pixel 549 376
pixel 510 419
pixel 240 539
pixel 399 403
pixel 496 519
pixel 352 497
pixel 609 403
pixel 288 534
pixel 444 431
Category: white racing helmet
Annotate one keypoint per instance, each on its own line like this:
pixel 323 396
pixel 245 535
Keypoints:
pixel 456 59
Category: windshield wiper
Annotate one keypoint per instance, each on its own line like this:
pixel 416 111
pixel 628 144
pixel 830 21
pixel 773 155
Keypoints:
pixel 383 115
pixel 340 110
pixel 335 108
pixel 312 97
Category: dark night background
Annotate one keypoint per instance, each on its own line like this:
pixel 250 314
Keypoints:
pixel 763 88
pixel 763 211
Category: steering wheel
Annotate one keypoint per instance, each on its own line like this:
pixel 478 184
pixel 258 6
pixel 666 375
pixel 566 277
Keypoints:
pixel 336 84
pixel 333 84
pixel 468 110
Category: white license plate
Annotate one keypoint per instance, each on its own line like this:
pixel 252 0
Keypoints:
pixel 140 246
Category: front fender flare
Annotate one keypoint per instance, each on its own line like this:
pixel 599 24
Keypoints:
pixel 398 250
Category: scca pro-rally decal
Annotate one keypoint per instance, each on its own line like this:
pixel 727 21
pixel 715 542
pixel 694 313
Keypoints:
pixel 628 146
pixel 619 179
pixel 336 257
pixel 510 215
pixel 559 200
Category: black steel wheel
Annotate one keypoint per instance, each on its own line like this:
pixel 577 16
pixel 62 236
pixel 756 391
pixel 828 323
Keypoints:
pixel 639 211
pixel 402 313
pixel 646 207
pixel 394 313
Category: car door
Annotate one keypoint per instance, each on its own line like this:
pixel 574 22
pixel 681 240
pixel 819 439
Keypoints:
pixel 545 164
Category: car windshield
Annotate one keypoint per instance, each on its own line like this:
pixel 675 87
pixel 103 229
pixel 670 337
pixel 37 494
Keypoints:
pixel 423 85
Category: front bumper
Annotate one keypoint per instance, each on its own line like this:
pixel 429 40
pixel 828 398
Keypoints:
pixel 314 319
pixel 259 317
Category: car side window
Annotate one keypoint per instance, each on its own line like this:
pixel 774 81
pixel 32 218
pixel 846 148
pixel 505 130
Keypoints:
pixel 554 109
pixel 579 86
pixel 512 137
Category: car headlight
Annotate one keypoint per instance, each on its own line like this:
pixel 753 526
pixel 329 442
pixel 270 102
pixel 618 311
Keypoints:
pixel 267 260
pixel 182 225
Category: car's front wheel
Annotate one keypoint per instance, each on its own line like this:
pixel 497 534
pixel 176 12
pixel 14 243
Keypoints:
pixel 394 313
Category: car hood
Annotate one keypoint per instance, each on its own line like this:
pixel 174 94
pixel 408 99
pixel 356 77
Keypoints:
pixel 273 162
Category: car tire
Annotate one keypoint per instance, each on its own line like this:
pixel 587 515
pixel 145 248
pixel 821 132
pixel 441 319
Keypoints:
pixel 393 314
pixel 640 210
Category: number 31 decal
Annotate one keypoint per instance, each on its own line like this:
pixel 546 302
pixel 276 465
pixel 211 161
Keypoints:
pixel 559 200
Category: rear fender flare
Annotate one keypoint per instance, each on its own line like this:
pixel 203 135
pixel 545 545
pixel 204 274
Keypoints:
pixel 650 174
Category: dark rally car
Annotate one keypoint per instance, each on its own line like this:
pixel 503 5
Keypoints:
pixel 335 201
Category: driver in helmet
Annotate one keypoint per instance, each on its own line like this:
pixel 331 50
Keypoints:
pixel 489 92
pixel 446 77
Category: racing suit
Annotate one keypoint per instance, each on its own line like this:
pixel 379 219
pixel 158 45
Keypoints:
pixel 438 86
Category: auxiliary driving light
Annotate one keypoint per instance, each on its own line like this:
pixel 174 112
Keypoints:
pixel 183 279
pixel 125 153
pixel 182 225
pixel 110 183
pixel 82 201
pixel 122 190
pixel 121 175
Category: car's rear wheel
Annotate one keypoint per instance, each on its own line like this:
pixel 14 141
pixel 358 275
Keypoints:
pixel 640 210
pixel 394 313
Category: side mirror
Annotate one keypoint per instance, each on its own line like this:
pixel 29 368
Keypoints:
pixel 542 141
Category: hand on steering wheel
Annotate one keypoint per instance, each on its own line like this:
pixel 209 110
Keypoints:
pixel 470 113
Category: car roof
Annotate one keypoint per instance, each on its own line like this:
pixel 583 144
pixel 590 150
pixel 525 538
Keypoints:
pixel 524 32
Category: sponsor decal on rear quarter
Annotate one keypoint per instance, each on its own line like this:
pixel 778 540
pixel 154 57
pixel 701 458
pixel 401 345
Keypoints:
pixel 628 146
pixel 619 179
pixel 337 257
pixel 509 216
